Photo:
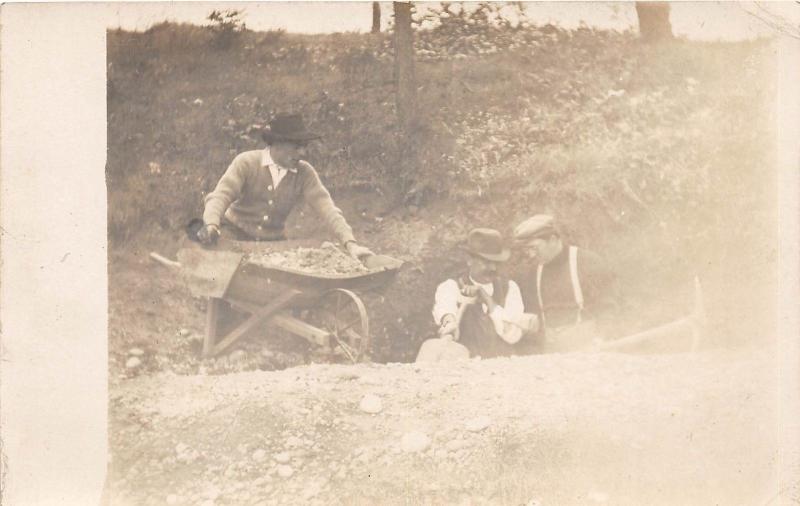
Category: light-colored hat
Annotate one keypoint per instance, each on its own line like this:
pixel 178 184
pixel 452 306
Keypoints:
pixel 535 226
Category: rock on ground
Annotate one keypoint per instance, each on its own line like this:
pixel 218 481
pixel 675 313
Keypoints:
pixel 415 441
pixel 371 404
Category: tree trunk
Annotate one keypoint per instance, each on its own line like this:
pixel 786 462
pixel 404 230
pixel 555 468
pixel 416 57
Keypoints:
pixel 404 65
pixel 654 22
pixel 376 17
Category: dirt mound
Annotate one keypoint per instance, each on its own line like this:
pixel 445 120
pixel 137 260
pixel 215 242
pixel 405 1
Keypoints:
pixel 557 429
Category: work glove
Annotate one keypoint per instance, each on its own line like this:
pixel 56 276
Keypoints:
pixel 357 251
pixel 208 235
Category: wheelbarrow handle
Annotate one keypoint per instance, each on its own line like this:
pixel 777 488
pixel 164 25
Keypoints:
pixel 165 261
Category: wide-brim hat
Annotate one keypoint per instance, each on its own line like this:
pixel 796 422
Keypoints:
pixel 486 243
pixel 288 127
pixel 540 225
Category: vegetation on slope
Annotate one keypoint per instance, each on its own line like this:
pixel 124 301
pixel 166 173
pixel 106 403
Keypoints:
pixel 660 156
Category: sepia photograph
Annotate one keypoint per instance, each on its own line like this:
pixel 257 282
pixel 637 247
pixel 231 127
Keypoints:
pixel 446 253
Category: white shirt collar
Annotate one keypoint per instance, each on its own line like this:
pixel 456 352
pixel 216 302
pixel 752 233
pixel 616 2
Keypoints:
pixel 267 161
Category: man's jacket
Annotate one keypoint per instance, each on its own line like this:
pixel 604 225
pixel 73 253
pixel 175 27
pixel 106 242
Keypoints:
pixel 247 198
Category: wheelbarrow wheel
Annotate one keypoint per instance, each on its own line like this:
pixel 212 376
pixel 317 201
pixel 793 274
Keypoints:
pixel 343 315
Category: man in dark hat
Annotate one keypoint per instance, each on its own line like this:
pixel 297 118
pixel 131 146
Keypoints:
pixel 569 288
pixel 482 310
pixel 260 188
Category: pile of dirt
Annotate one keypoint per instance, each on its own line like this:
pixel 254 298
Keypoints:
pixel 551 429
pixel 326 260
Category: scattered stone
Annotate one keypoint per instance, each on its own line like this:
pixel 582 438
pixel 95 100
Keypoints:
pixel 133 363
pixel 326 260
pixel 172 499
pixel 294 441
pixel 181 448
pixel 285 471
pixel 371 404
pixel 212 493
pixel 415 441
pixel 598 497
pixel 478 424
pixel 184 332
pixel 259 455
pixel 198 101
pixel 457 444
pixel 136 352
pixel 348 376
pixel 310 492
pixel 282 457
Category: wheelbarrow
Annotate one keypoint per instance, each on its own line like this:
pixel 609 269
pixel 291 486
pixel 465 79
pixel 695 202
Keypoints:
pixel 281 297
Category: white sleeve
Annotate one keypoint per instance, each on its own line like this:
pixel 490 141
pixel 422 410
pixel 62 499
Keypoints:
pixel 445 300
pixel 511 311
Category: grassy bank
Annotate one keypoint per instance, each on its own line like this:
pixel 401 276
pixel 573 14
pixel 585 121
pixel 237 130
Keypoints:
pixel 658 156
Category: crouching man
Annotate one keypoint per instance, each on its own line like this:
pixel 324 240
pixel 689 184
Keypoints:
pixel 480 313
pixel 572 289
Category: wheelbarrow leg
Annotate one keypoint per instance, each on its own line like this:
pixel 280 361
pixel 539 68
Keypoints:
pixel 263 314
pixel 212 324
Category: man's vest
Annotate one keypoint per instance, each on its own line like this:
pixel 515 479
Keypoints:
pixel 577 292
pixel 570 336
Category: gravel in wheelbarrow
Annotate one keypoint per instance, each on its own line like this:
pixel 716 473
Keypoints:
pixel 325 260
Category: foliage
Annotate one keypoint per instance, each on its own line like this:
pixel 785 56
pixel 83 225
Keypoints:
pixel 227 25
pixel 651 154
pixel 456 29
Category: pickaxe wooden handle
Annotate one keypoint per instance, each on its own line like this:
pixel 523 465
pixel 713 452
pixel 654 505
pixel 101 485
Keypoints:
pixel 695 322
pixel 165 261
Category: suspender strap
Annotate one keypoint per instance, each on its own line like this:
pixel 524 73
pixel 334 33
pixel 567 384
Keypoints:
pixel 577 291
pixel 539 292
pixel 576 282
